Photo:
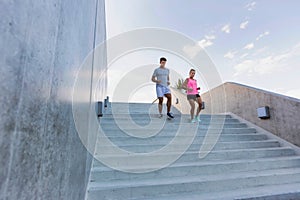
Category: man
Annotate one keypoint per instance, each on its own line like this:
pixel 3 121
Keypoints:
pixel 162 79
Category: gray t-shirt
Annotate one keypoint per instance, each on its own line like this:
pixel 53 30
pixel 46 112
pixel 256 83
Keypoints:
pixel 162 74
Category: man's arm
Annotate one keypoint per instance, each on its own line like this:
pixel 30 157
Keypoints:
pixel 168 80
pixel 154 80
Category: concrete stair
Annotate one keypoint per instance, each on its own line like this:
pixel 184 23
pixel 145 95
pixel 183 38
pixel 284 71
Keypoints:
pixel 244 163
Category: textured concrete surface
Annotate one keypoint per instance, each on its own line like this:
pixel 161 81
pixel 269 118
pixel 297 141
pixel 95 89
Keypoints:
pixel 183 105
pixel 42 46
pixel 243 101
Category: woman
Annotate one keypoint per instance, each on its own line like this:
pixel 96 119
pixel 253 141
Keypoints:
pixel 190 85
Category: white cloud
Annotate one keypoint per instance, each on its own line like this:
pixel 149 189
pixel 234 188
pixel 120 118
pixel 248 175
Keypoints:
pixel 288 92
pixel 230 54
pixel 293 93
pixel 267 64
pixel 244 55
pixel 192 50
pixel 295 51
pixel 251 6
pixel 244 24
pixel 249 46
pixel 207 41
pixel 244 67
pixel 260 51
pixel 263 35
pixel 210 37
pixel 258 66
pixel 226 28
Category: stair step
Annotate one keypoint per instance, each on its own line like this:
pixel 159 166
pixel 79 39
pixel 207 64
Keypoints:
pixel 142 160
pixel 143 148
pixel 163 140
pixel 177 185
pixel 158 120
pixel 166 132
pixel 286 191
pixel 105 174
pixel 109 115
pixel 168 126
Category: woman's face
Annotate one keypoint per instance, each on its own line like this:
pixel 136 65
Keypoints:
pixel 192 74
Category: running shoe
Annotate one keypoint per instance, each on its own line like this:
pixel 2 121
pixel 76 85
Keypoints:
pixel 170 115
pixel 198 119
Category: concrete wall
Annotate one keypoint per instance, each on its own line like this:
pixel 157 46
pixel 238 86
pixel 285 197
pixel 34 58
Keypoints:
pixel 43 44
pixel 183 106
pixel 244 100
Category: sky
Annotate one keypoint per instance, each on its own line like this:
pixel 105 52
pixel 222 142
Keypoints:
pixel 256 43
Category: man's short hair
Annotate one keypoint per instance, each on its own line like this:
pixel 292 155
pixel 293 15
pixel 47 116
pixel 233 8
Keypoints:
pixel 162 59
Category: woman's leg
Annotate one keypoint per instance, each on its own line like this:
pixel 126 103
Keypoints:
pixel 192 103
pixel 199 101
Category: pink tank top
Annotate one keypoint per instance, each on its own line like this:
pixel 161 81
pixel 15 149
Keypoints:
pixel 192 83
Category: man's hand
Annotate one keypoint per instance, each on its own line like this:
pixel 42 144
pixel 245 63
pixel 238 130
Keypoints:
pixel 153 79
pixel 168 82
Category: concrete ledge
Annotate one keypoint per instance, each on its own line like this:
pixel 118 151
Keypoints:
pixel 270 135
pixel 243 101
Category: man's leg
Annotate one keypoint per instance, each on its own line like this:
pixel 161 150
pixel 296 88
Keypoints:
pixel 169 102
pixel 159 93
pixel 192 111
pixel 167 94
pixel 161 99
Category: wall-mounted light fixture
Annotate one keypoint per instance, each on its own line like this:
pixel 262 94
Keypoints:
pixel 263 112
pixel 105 103
pixel 99 108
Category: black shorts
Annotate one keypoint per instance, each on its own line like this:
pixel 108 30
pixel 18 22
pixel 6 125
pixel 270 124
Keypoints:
pixel 192 96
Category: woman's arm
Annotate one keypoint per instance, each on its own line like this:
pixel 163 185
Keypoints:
pixel 184 85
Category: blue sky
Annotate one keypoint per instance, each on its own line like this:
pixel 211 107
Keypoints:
pixel 256 43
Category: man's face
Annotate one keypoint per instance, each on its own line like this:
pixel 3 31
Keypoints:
pixel 163 63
